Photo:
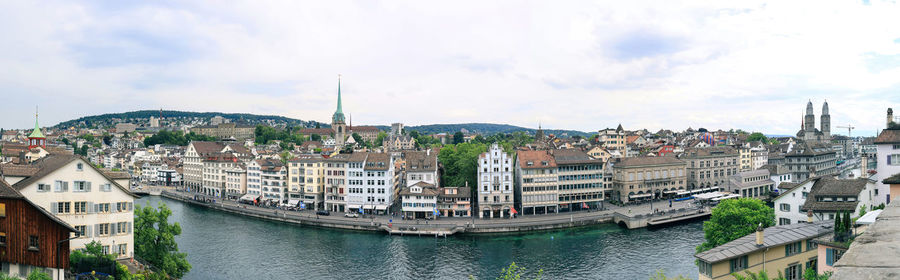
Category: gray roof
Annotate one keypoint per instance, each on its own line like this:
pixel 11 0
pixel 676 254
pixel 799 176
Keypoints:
pixel 772 236
pixel 572 156
pixel 827 186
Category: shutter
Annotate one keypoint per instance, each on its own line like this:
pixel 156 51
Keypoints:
pixel 97 229
pixel 54 206
pixel 129 225
pixel 87 231
pixel 88 186
pixel 829 257
pixel 112 229
pixel 90 207
pixel 130 206
pixel 96 207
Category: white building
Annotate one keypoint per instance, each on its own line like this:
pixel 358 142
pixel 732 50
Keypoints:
pixel 421 167
pixel 168 177
pixel 375 189
pixel 888 160
pixel 419 200
pixel 824 197
pixel 99 207
pixel 495 183
pixel 149 171
pixel 214 167
pixel 235 181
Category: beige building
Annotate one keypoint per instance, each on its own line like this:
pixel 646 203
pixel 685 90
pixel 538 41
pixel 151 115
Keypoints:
pixel 307 180
pixel 787 250
pixel 213 178
pixel 580 180
pixel 536 190
pixel 613 139
pixel 336 182
pixel 644 178
pixel 745 158
pixel 98 206
pixel 226 130
pixel 235 181
pixel 710 167
pixel 755 184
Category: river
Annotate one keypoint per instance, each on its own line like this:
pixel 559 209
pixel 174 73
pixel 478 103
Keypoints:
pixel 226 246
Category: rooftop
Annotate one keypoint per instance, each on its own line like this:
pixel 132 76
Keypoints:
pixel 874 254
pixel 772 236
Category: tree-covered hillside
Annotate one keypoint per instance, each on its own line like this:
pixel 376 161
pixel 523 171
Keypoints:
pixel 106 119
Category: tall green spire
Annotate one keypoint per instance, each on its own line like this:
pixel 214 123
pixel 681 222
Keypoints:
pixel 37 128
pixel 338 116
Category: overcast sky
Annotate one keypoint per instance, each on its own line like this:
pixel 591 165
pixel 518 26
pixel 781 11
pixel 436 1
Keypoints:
pixel 565 64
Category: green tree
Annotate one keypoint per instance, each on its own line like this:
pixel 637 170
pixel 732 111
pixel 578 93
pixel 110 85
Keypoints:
pixel 733 219
pixel 810 274
pixel 413 134
pixel 379 139
pixel 762 275
pixel 757 136
pixel 515 272
pixel 458 137
pixel 661 275
pixel 359 139
pixel 155 242
pixel 315 137
pixel 37 275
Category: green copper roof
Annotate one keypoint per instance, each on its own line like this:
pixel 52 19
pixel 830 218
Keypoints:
pixel 37 130
pixel 339 114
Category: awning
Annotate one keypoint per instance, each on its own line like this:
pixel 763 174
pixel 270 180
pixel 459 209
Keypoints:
pixel 248 197
pixel 368 206
pixel 353 206
pixel 380 207
pixel 684 193
pixel 868 218
pixel 640 195
pixel 294 202
pixel 670 191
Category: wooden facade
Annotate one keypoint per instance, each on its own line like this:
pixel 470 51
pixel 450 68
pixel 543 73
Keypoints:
pixel 24 220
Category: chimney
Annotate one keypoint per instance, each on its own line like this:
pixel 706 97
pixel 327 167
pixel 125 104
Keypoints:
pixel 428 152
pixel 890 117
pixel 809 216
pixel 864 167
pixel 759 235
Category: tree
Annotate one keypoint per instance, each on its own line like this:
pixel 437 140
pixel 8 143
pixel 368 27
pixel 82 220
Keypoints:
pixel 460 163
pixel 155 242
pixel 756 136
pixel 379 139
pixel 515 272
pixel 358 138
pixel 458 137
pixel 733 219
pixel 762 275
pixel 413 134
pixel 37 275
pixel 661 275
pixel 315 137
pixel 318 125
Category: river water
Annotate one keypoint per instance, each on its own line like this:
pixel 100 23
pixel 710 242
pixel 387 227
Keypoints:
pixel 225 246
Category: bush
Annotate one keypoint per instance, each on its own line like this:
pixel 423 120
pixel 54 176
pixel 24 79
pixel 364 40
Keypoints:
pixel 37 275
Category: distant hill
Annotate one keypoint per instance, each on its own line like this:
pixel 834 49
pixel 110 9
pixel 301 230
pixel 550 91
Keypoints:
pixel 483 128
pixel 106 119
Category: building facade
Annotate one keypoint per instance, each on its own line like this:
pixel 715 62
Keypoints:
pixel 536 189
pixel 754 184
pixel 710 167
pixel 645 178
pixel 495 183
pixel 811 159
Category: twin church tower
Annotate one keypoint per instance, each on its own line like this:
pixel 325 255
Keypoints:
pixel 808 131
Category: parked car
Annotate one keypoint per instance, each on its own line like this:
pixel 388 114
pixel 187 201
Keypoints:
pixel 351 215
pixel 323 213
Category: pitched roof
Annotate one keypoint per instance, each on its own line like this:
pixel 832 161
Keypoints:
pixel 810 149
pixel 892 180
pixel 772 236
pixel 827 187
pixel 18 170
pixel 718 151
pixel 358 157
pixel 538 159
pixel 7 191
pixel 378 161
pixel 207 147
pixel 420 161
pixel 888 136
pixel 51 163
pixel 363 129
pixel 641 161
pixel 572 156
pixel 460 192
pixel 115 174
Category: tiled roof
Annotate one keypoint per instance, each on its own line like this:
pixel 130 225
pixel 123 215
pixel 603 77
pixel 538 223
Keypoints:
pixel 378 161
pixel 892 180
pixel 538 159
pixel 7 191
pixel 115 174
pixel 18 170
pixel 772 236
pixel 710 151
pixel 358 157
pixel 460 192
pixel 810 149
pixel 319 131
pixel 206 147
pixel 641 161
pixel 827 186
pixel 888 136
pixel 420 161
pixel 572 156
pixel 51 163
pixel 364 129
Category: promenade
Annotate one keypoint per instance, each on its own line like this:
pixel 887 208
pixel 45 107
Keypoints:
pixel 634 216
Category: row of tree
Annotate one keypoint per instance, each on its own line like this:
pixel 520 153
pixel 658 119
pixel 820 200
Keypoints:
pixel 175 138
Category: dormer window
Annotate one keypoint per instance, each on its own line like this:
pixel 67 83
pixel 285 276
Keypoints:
pixel 79 166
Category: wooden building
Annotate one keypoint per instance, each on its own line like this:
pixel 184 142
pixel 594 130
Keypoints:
pixel 31 239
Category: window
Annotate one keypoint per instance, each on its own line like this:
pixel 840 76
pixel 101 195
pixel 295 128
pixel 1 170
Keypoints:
pixel 705 268
pixel 79 167
pixel 2 239
pixel 43 188
pixel 80 207
pixel 810 245
pixel 102 229
pixel 121 228
pixel 792 249
pixel 33 243
pixel 105 249
pixel 80 231
pixel 123 249
pixel 784 221
pixel 832 256
pixel 785 207
pixel 63 207
pixel 793 272
pixel 738 264
pixel 61 186
pixel 106 187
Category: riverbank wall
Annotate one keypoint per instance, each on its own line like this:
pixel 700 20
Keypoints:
pixel 433 228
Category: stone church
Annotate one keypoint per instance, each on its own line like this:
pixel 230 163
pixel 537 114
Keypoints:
pixel 808 131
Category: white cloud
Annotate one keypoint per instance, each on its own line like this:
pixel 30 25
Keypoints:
pixel 574 64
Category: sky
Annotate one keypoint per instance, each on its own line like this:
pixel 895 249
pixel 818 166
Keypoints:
pixel 582 65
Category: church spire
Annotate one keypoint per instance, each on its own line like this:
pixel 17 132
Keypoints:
pixel 338 116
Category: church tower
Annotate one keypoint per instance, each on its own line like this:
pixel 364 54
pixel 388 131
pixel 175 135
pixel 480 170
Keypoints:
pixel 337 121
pixel 810 119
pixel 36 138
pixel 826 123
